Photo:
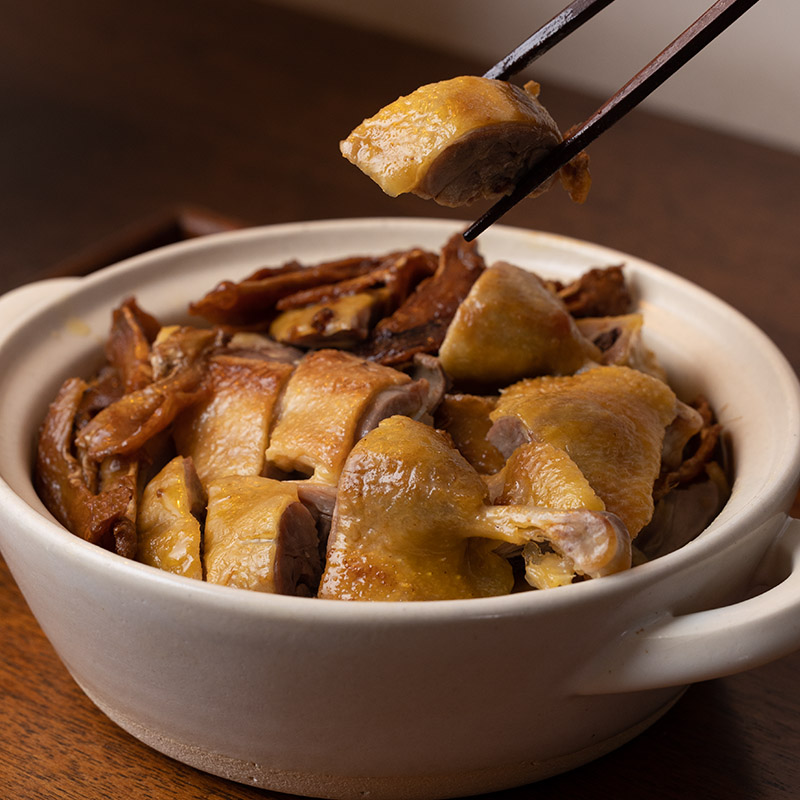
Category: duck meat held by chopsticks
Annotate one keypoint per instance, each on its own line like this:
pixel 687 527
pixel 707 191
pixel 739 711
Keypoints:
pixel 459 141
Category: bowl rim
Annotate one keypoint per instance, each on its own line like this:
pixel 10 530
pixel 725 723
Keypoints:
pixel 77 551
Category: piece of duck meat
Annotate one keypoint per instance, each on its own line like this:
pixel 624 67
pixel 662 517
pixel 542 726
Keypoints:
pixel 168 526
pixel 60 480
pixel 259 536
pixel 610 420
pixel 458 141
pixel 419 325
pixel 599 292
pixel 412 522
pixel 332 399
pixel 511 326
pixel 465 418
pixel 251 302
pixel 619 340
pixel 128 346
pixel 320 500
pixel 226 433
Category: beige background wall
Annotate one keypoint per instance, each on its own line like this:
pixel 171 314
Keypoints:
pixel 747 82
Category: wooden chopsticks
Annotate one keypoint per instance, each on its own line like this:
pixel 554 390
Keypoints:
pixel 705 29
pixel 551 33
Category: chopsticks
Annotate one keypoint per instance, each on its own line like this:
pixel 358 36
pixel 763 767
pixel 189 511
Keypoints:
pixel 551 33
pixel 704 30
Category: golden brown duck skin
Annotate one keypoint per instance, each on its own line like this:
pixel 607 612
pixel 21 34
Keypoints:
pixel 611 420
pixel 413 522
pixel 511 326
pixel 458 141
pixel 226 432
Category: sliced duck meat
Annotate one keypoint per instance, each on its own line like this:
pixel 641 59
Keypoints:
pixel 610 420
pixel 168 527
pixel 226 432
pixel 465 418
pixel 413 522
pixel 327 404
pixel 259 536
pixel 458 141
pixel 511 326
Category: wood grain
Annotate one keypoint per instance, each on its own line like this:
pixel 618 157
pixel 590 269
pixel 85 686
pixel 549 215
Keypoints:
pixel 115 114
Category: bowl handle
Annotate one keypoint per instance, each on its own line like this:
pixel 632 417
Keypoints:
pixel 17 302
pixel 678 650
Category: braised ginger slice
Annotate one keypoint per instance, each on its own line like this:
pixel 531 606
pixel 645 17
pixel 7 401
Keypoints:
pixel 226 433
pixel 610 420
pixel 167 523
pixel 259 536
pixel 413 522
pixel 68 492
pixel 511 326
pixel 458 141
pixel 329 403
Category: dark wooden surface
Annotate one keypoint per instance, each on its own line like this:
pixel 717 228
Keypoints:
pixel 117 117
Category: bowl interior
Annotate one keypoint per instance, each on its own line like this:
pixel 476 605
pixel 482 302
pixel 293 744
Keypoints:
pixel 706 346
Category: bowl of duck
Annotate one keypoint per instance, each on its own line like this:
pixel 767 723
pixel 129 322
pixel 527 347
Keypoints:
pixel 353 507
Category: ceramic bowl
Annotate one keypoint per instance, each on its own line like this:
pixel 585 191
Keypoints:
pixel 405 700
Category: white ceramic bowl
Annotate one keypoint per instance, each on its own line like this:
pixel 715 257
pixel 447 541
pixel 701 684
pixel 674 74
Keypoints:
pixel 404 700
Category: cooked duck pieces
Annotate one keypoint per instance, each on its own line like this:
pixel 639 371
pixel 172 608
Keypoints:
pixel 167 523
pixel 259 536
pixel 128 346
pixel 407 510
pixel 419 325
pixel 465 418
pixel 412 522
pixel 332 399
pixel 541 475
pixel 226 432
pixel 458 141
pixel 511 326
pixel 619 340
pixel 610 420
pixel 60 481
pixel 251 302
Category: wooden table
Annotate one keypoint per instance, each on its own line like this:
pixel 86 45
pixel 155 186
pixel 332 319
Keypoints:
pixel 116 117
